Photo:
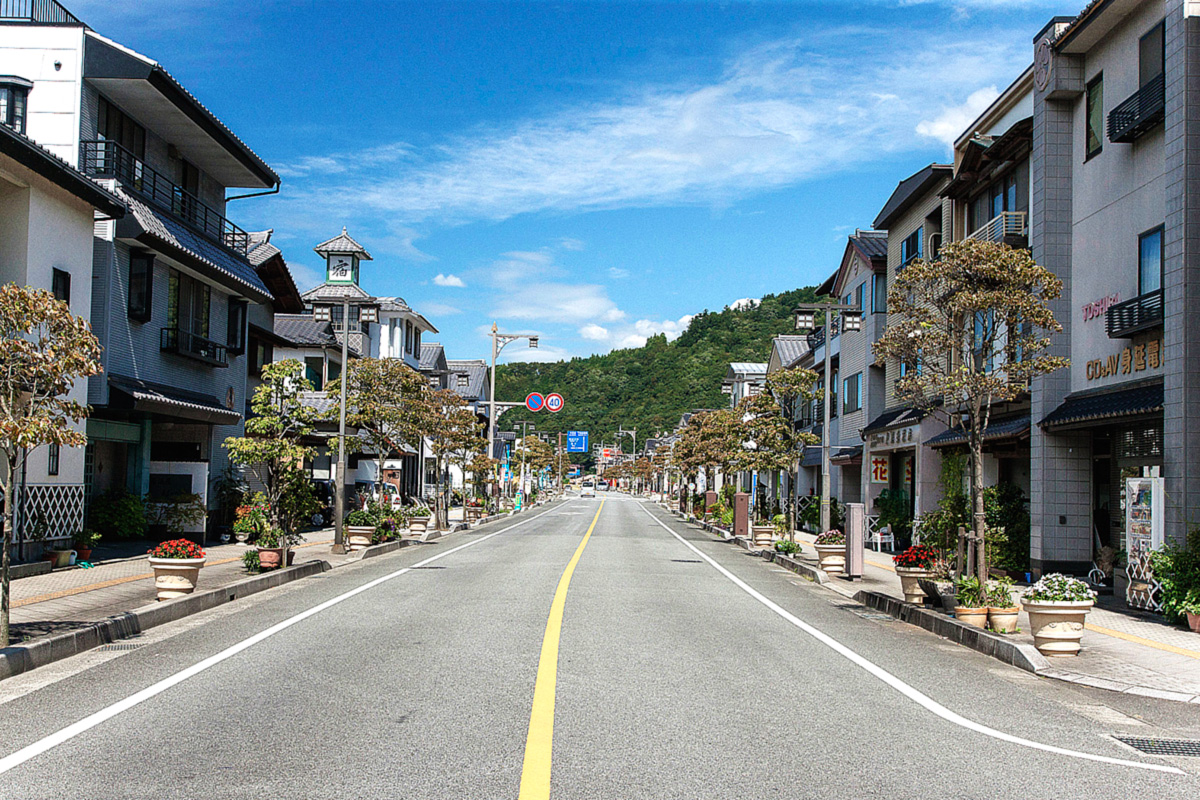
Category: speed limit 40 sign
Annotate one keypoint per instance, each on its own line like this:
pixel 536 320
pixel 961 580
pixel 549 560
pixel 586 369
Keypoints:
pixel 554 402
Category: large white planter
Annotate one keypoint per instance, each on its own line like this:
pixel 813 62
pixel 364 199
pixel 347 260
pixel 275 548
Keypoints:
pixel 175 577
pixel 909 584
pixel 832 556
pixel 358 537
pixel 763 535
pixel 418 524
pixel 1057 627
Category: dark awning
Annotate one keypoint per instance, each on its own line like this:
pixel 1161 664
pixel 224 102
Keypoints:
pixel 171 402
pixel 847 456
pixel 893 419
pixel 1109 405
pixel 1015 428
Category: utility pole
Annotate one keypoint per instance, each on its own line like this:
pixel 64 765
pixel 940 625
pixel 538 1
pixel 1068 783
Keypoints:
pixel 499 342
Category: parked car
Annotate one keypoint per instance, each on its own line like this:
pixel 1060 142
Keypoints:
pixel 379 492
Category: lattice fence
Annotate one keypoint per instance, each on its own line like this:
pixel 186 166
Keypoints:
pixel 1144 590
pixel 55 509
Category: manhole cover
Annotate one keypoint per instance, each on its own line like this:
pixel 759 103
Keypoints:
pixel 1163 747
pixel 686 561
pixel 112 647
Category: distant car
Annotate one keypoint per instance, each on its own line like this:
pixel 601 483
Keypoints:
pixel 603 486
pixel 588 489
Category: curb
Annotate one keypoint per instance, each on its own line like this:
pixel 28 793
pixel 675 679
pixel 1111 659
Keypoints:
pixel 1023 656
pixel 814 574
pixel 22 658
pixel 382 549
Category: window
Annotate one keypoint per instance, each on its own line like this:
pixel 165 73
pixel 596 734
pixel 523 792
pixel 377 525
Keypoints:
pixel 1095 116
pixel 236 326
pixel 14 94
pixel 314 370
pixel 60 285
pixel 910 248
pixel 858 297
pixel 141 285
pixel 336 313
pixel 463 381
pixel 408 337
pixel 416 342
pixel 1150 55
pixel 52 460
pixel 115 125
pixel 1150 261
pixel 261 354
pixel 188 302
pixel 186 193
pixel 879 294
pixel 852 393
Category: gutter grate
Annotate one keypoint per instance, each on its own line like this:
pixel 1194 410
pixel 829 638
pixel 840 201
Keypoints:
pixel 1189 748
pixel 108 648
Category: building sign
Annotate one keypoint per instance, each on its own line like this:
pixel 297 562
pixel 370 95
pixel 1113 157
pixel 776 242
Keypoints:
pixel 1130 361
pixel 894 437
pixel 879 469
pixel 1098 308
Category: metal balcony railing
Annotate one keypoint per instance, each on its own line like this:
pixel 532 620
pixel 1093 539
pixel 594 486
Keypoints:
pixel 185 343
pixel 1006 223
pixel 1134 316
pixel 107 159
pixel 43 12
pixel 1140 113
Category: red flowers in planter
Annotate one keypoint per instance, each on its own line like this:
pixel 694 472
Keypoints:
pixel 177 548
pixel 918 556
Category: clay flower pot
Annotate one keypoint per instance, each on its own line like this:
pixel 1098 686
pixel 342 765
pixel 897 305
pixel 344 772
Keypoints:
pixel 1057 626
pixel 175 577
pixel 1194 622
pixel 972 616
pixel 270 557
pixel 910 578
pixel 1004 620
pixel 832 556
pixel 359 537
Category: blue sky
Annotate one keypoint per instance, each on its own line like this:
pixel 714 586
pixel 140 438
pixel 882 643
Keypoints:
pixel 591 172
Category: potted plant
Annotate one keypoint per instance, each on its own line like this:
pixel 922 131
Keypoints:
pixel 972 600
pixel 176 565
pixel 913 564
pixel 84 542
pixel 1177 569
pixel 1002 611
pixel 831 550
pixel 418 519
pixel 270 549
pixel 360 529
pixel 762 535
pixel 787 547
pixel 385 530
pixel 1191 607
pixel 250 520
pixel 1057 606
pixel 250 561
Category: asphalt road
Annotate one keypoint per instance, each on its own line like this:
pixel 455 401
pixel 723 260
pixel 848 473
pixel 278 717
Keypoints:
pixel 675 677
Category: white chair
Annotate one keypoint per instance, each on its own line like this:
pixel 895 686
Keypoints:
pixel 879 536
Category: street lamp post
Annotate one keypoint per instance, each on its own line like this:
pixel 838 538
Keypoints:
pixel 499 342
pixel 851 318
pixel 525 426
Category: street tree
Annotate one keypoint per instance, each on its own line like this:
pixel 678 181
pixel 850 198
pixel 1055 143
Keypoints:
pixel 44 349
pixel 973 328
pixel 791 387
pixel 771 442
pixel 273 448
pixel 710 441
pixel 449 427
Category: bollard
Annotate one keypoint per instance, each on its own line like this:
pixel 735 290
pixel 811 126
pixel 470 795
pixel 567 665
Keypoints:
pixel 710 500
pixel 856 529
pixel 741 515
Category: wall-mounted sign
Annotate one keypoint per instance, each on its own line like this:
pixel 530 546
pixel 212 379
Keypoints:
pixel 897 436
pixel 1098 308
pixel 1131 360
pixel 880 466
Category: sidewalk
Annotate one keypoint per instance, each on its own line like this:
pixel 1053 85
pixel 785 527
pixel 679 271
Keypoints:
pixel 1123 650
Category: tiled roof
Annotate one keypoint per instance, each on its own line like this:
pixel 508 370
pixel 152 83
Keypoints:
pixel 334 292
pixel 476 372
pixel 894 418
pixel 177 236
pixel 790 349
pixel 342 243
pixel 172 401
pixel 1004 429
pixel 872 244
pixel 304 331
pixel 431 354
pixel 1138 400
pixel 393 304
pixel 37 158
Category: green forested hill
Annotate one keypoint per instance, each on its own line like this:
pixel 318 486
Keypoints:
pixel 650 387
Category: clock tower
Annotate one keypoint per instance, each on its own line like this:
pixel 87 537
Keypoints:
pixel 342 256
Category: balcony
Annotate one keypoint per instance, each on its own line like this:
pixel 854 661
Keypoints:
pixel 107 159
pixel 1142 313
pixel 189 345
pixel 1008 227
pixel 1140 114
pixel 41 12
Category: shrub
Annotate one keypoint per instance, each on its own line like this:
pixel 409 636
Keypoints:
pixel 1059 588
pixel 1008 527
pixel 831 537
pixel 969 593
pixel 270 538
pixel 118 514
pixel 177 548
pixel 85 540
pixel 250 561
pixel 780 521
pixel 787 547
pixel 1178 570
pixel 1000 594
pixel 360 517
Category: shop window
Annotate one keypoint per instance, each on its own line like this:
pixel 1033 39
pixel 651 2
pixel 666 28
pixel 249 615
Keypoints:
pixel 60 285
pixel 141 285
pixel 1095 115
pixel 1150 261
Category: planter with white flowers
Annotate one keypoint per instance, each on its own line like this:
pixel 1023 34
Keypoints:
pixel 831 550
pixel 1057 606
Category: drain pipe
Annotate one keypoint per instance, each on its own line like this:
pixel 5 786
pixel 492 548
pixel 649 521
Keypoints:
pixel 274 190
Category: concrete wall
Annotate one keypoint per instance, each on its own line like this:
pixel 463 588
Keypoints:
pixel 31 52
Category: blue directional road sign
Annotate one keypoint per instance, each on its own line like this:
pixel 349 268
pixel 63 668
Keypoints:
pixel 577 441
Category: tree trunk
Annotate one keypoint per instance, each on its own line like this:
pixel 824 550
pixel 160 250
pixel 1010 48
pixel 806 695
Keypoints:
pixel 980 516
pixel 9 516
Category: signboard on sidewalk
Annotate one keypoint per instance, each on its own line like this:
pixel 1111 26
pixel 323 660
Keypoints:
pixel 577 441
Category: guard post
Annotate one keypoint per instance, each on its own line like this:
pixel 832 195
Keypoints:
pixel 741 515
pixel 856 528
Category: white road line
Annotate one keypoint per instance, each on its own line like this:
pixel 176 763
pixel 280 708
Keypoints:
pixel 908 691
pixel 89 722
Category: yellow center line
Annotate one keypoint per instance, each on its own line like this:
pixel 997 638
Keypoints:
pixel 1129 637
pixel 539 744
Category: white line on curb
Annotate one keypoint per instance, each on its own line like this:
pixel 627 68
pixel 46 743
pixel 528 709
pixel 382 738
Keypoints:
pixel 908 691
pixel 89 722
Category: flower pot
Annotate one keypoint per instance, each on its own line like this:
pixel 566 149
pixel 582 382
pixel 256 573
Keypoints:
pixel 763 535
pixel 241 536
pixel 941 592
pixel 832 556
pixel 291 557
pixel 909 584
pixel 1004 620
pixel 62 558
pixel 359 537
pixel 1194 622
pixel 270 557
pixel 1057 627
pixel 971 616
pixel 175 577
pixel 418 524
pixel 83 553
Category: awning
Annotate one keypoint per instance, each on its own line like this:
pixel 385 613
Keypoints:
pixel 847 456
pixel 1083 408
pixel 812 454
pixel 1015 428
pixel 170 402
pixel 894 419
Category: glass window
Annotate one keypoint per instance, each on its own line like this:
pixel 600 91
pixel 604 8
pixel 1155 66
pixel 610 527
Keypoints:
pixel 188 304
pixel 1095 116
pixel 1150 261
pixel 115 125
pixel 858 297
pixel 236 326
pixel 52 460
pixel 336 311
pixel 852 393
pixel 879 294
pixel 1150 55
pixel 910 248
pixel 61 286
pixel 314 370
pixel 13 97
pixel 141 285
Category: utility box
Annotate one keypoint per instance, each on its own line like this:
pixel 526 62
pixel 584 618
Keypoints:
pixel 741 515
pixel 856 533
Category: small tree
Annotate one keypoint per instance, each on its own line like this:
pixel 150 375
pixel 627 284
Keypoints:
pixel 273 447
pixel 772 443
pixel 711 441
pixel 450 427
pixel 974 328
pixel 790 387
pixel 44 349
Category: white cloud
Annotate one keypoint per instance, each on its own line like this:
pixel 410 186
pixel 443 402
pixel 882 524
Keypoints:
pixel 570 244
pixel 618 273
pixel 558 302
pixel 542 354
pixel 449 280
pixel 744 303
pixel 438 310
pixel 594 332
pixel 952 122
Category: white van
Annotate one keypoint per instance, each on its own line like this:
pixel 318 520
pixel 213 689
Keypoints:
pixel 588 489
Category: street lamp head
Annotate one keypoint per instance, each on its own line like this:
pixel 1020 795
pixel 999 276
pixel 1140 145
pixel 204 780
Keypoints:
pixel 533 342
pixel 852 321
pixel 806 319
